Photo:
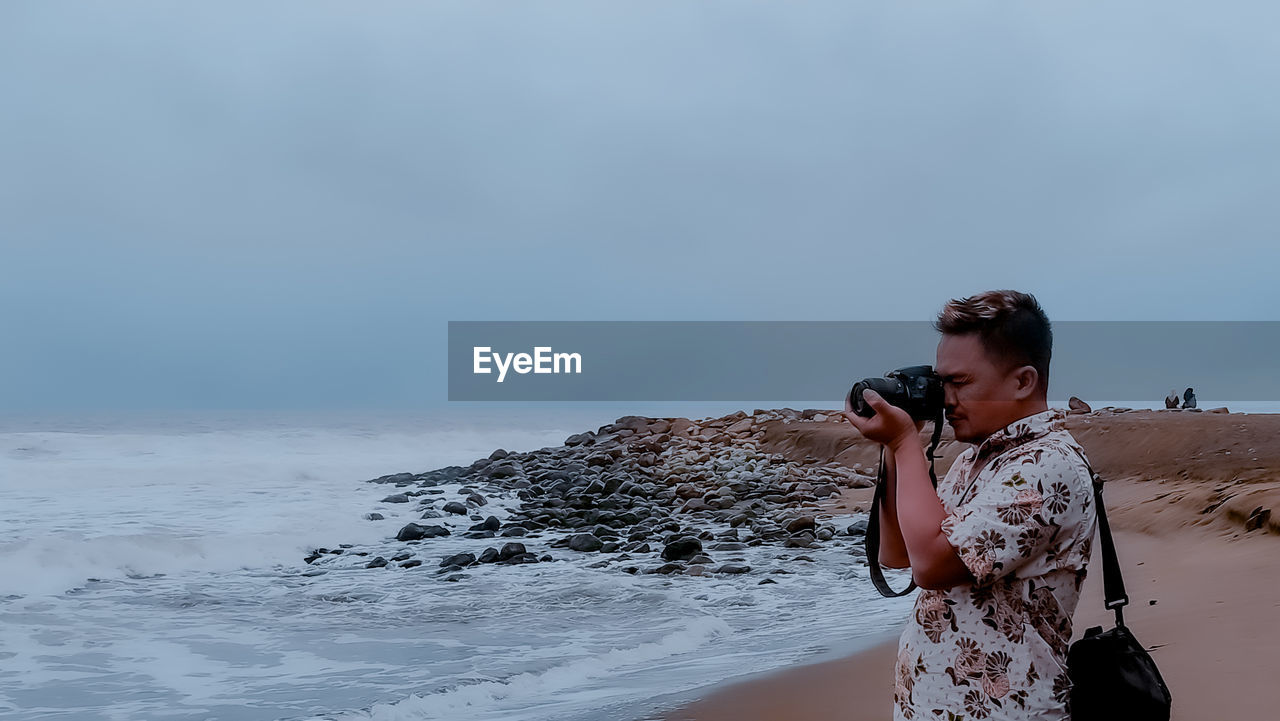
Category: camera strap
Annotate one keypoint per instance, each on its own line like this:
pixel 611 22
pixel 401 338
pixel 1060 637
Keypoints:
pixel 871 541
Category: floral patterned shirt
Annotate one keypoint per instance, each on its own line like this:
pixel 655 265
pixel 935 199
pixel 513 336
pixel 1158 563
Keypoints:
pixel 1023 524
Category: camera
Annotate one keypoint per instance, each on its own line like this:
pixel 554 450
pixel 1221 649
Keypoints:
pixel 915 389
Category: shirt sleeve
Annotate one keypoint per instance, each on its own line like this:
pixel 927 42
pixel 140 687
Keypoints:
pixel 1026 516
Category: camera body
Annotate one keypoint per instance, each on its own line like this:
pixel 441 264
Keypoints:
pixel 915 389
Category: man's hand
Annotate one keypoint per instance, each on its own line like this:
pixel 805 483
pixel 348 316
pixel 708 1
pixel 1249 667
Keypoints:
pixel 890 426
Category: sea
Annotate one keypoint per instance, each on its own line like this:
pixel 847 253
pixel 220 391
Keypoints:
pixel 152 567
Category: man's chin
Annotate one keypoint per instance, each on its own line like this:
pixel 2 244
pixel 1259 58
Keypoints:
pixel 962 432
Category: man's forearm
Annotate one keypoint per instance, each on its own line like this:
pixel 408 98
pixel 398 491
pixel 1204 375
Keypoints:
pixel 893 552
pixel 920 516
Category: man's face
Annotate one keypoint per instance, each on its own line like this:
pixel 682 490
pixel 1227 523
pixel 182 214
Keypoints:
pixel 980 396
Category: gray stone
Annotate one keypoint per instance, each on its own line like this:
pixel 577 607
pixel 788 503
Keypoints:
pixel 585 542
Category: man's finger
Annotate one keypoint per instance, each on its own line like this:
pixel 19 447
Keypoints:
pixel 854 419
pixel 874 400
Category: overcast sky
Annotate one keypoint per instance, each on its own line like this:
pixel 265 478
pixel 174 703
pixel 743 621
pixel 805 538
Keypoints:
pixel 248 205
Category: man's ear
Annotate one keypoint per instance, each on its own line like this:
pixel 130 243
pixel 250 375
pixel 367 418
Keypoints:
pixel 1028 381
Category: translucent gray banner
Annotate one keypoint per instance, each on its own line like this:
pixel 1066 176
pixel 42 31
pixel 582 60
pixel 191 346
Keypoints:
pixel 784 360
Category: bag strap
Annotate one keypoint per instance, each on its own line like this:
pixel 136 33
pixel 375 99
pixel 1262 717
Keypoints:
pixel 1112 580
pixel 871 541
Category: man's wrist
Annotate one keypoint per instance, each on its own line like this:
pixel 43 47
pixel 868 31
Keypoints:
pixel 905 441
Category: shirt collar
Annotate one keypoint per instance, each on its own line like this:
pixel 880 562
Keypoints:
pixel 1022 431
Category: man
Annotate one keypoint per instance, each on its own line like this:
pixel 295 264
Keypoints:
pixel 1000 549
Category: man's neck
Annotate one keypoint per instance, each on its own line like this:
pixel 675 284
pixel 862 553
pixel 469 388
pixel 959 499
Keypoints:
pixel 1029 408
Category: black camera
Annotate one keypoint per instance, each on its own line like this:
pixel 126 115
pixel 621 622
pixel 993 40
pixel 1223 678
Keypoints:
pixel 915 389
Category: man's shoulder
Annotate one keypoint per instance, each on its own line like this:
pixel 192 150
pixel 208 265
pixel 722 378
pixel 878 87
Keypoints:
pixel 1054 453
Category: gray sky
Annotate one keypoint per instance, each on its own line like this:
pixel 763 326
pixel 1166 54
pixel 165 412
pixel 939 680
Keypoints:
pixel 242 205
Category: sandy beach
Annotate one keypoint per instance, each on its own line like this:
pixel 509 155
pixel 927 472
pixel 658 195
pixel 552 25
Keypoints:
pixel 1188 495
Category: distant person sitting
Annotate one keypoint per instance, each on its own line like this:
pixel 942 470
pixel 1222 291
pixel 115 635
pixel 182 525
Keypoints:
pixel 1172 400
pixel 1189 399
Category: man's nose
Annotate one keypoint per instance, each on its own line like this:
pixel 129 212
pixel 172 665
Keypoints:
pixel 948 397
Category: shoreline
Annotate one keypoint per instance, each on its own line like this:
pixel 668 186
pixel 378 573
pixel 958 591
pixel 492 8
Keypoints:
pixel 815 691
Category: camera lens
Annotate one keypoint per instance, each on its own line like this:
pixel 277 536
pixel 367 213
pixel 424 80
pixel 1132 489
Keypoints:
pixel 890 389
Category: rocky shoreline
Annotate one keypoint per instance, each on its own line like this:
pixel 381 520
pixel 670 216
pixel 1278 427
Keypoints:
pixel 680 496
pixel 645 493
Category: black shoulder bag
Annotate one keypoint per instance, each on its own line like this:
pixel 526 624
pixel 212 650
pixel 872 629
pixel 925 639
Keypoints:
pixel 1112 675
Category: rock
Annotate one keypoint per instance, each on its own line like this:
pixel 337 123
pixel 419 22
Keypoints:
pixel 395 478
pixel 459 559
pixel 733 568
pixel 1257 518
pixel 510 550
pixel 502 470
pixel 378 562
pixel 514 531
pixel 413 532
pixel 687 490
pixel 681 549
pixel 374 516
pixel 455 507
pixel 412 563
pixel 1078 405
pixel 857 528
pixel 800 540
pixel 1223 409
pixel 803 523
pixel 667 568
pixel 477 499
pixel 396 498
pixel 585 542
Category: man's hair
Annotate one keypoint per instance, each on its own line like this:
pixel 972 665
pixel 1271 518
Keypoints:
pixel 1012 326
